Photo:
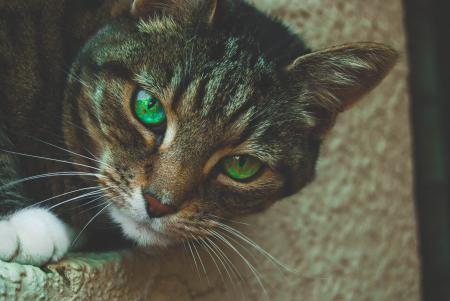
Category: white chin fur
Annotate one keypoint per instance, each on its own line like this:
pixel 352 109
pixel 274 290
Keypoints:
pixel 139 231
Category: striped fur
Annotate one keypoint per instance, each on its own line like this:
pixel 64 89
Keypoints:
pixel 231 79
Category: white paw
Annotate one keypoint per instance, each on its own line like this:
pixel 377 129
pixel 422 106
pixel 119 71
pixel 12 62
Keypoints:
pixel 33 236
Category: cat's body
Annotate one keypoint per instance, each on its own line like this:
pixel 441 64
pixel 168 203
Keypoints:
pixel 232 82
pixel 39 40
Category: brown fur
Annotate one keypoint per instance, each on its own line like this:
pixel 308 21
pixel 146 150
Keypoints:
pixel 222 73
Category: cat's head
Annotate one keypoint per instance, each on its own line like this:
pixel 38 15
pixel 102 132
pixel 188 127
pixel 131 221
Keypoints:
pixel 202 110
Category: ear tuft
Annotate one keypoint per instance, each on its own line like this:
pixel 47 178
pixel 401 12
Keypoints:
pixel 148 8
pixel 211 11
pixel 139 9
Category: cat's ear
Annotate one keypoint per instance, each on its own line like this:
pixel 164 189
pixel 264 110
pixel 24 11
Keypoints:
pixel 149 8
pixel 332 80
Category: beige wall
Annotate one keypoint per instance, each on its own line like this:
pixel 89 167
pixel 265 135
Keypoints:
pixel 350 235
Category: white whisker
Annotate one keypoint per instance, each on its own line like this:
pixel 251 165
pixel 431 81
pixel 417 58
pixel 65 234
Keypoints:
pixel 104 200
pixel 90 202
pixel 186 253
pixel 195 261
pixel 233 283
pixel 237 274
pixel 200 260
pixel 213 247
pixel 249 265
pixel 108 186
pixel 250 242
pixel 72 152
pixel 207 249
pixel 49 159
pixel 102 203
pixel 240 244
pixel 88 223
pixel 218 218
pixel 54 174
pixel 97 192
pixel 63 194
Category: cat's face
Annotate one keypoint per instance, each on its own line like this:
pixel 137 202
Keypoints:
pixel 194 120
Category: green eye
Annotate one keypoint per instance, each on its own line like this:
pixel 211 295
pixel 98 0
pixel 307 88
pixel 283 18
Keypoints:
pixel 148 109
pixel 241 168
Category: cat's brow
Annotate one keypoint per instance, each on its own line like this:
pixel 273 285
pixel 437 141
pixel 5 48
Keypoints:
pixel 111 67
pixel 188 95
pixel 148 81
pixel 180 83
pixel 265 154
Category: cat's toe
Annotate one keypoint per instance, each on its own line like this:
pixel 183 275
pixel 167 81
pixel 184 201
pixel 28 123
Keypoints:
pixel 35 243
pixel 9 242
pixel 40 235
pixel 60 234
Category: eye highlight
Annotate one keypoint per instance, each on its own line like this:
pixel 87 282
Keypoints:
pixel 241 168
pixel 148 109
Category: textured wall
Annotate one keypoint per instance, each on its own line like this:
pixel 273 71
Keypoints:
pixel 350 235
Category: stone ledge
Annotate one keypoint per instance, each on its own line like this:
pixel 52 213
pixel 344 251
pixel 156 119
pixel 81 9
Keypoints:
pixel 122 275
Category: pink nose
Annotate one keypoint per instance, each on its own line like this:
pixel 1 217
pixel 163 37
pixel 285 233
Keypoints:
pixel 155 208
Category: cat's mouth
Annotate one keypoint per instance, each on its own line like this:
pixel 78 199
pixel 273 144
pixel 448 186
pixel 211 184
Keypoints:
pixel 162 231
pixel 145 232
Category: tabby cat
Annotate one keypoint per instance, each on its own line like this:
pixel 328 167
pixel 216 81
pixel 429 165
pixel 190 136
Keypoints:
pixel 163 118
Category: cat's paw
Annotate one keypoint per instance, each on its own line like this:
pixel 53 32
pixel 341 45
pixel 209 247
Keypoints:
pixel 33 236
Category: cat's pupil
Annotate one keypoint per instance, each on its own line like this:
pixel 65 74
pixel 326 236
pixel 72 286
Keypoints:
pixel 242 160
pixel 151 103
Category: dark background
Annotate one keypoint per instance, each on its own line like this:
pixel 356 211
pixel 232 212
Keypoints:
pixel 428 28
